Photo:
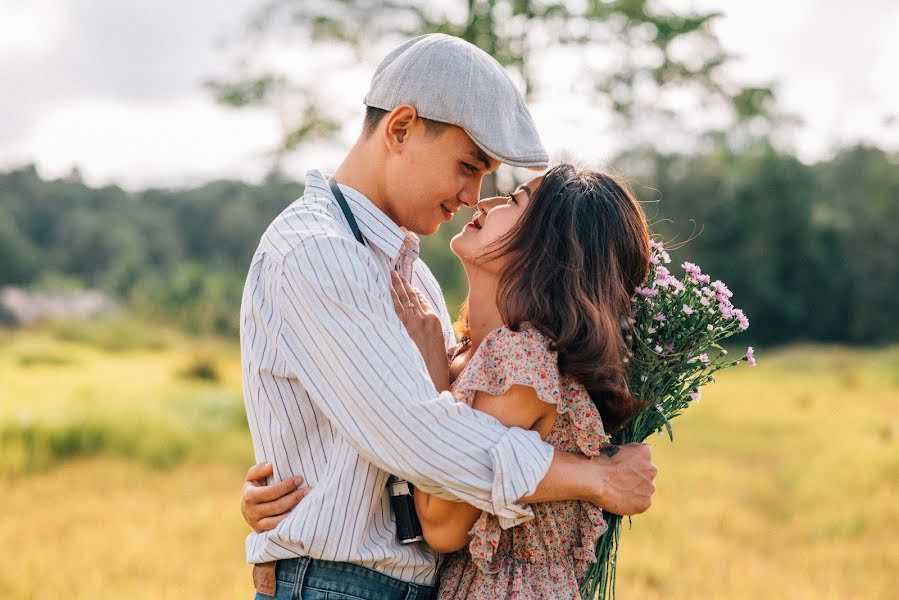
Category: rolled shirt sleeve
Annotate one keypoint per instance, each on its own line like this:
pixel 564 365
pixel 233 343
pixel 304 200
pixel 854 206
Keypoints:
pixel 341 338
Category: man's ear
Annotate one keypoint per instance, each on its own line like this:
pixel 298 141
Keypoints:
pixel 399 125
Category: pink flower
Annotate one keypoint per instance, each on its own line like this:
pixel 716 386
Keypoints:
pixel 665 258
pixel 721 289
pixel 693 271
pixel 704 279
pixel 687 310
pixel 704 358
pixel 669 347
pixel 656 245
pixel 646 292
pixel 659 317
pixel 704 301
pixel 750 356
pixel 727 311
pixel 742 320
pixel 695 396
pixel 654 258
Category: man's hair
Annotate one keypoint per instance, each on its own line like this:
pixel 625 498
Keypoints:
pixel 374 115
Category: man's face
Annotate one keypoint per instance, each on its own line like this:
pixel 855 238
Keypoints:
pixel 433 176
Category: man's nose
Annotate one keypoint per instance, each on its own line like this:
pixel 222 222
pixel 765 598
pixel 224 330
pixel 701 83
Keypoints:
pixel 470 194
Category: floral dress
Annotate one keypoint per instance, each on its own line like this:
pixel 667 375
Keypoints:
pixel 547 556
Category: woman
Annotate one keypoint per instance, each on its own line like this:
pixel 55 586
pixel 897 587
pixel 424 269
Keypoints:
pixel 550 268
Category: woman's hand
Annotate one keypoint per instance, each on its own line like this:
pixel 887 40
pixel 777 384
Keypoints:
pixel 423 326
pixel 264 506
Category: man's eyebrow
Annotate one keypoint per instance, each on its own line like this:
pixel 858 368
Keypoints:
pixel 479 155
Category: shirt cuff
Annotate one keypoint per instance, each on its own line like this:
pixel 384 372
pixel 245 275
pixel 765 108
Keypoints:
pixel 520 461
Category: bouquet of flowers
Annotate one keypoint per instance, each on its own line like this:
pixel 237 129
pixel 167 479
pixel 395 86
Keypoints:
pixel 675 341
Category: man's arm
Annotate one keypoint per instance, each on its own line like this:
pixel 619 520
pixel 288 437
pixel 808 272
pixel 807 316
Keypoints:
pixel 341 337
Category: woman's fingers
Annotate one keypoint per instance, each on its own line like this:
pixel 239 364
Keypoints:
pixel 266 517
pixel 258 494
pixel 398 305
pixel 412 295
pixel 269 523
pixel 259 471
pixel 280 506
pixel 398 286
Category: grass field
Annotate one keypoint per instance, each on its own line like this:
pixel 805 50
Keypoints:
pixel 122 452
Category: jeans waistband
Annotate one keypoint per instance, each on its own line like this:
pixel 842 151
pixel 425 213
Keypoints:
pixel 347 578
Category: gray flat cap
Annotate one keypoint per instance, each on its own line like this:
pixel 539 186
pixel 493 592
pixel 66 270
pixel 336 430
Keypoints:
pixel 449 80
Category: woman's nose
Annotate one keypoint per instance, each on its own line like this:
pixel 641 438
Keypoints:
pixel 487 203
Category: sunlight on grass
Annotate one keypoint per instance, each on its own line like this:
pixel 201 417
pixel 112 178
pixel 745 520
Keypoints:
pixel 123 467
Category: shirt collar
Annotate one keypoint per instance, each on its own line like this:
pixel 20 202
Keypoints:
pixel 376 227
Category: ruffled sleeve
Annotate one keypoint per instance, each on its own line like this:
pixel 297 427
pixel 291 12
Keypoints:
pixel 506 358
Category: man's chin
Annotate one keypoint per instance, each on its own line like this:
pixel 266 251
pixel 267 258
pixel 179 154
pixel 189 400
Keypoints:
pixel 425 229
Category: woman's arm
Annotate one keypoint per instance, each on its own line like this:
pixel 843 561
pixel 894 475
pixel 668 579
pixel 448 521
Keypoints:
pixel 445 524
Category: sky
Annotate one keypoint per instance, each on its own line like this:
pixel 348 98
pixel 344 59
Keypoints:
pixel 115 87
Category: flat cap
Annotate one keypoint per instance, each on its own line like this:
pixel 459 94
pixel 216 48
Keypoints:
pixel 449 80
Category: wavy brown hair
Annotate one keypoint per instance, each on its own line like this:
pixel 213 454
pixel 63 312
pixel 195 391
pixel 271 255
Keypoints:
pixel 573 260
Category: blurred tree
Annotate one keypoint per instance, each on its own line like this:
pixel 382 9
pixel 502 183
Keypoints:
pixel 632 54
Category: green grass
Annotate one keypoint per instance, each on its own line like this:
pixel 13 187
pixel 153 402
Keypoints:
pixel 120 464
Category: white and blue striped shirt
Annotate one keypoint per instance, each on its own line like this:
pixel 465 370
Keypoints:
pixel 336 391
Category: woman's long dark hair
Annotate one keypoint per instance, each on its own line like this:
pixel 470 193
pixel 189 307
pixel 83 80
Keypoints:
pixel 573 260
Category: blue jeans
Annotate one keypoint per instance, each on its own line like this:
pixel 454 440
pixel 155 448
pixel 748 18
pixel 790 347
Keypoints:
pixel 307 578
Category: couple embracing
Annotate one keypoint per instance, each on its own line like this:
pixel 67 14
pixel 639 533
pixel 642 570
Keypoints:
pixel 369 416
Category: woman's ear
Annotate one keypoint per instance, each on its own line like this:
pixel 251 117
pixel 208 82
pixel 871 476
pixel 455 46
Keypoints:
pixel 400 122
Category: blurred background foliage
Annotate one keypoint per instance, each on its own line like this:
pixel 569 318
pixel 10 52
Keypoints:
pixel 809 250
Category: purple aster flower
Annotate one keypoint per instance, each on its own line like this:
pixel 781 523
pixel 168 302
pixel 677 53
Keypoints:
pixel 750 356
pixel 687 310
pixel 721 289
pixel 695 395
pixel 660 317
pixel 727 311
pixel 693 271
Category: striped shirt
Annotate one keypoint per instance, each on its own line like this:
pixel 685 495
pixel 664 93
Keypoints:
pixel 336 391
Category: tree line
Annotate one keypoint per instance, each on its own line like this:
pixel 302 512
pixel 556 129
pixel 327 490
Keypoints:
pixel 810 251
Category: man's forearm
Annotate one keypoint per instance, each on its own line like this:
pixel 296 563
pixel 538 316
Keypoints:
pixel 568 478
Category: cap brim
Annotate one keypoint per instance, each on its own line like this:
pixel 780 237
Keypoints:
pixel 539 163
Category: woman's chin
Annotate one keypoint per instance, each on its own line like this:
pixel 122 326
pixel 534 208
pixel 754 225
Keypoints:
pixel 457 246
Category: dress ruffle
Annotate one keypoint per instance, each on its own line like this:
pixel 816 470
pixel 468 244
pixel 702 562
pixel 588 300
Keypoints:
pixel 539 548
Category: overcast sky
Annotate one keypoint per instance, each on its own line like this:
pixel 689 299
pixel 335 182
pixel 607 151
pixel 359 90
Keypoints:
pixel 114 86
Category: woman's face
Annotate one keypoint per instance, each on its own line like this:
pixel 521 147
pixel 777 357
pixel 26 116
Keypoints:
pixel 494 218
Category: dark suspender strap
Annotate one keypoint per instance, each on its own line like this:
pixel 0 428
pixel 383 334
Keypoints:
pixel 346 210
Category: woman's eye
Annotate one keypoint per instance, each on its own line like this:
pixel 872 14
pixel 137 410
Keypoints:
pixel 470 168
pixel 512 198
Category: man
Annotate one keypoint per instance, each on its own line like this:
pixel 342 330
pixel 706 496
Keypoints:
pixel 336 391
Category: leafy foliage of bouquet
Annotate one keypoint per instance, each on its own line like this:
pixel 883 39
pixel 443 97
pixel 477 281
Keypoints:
pixel 675 339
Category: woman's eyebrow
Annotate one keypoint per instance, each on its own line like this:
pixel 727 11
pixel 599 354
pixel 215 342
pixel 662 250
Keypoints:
pixel 524 187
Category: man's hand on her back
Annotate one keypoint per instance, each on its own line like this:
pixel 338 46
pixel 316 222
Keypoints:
pixel 264 506
pixel 624 482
